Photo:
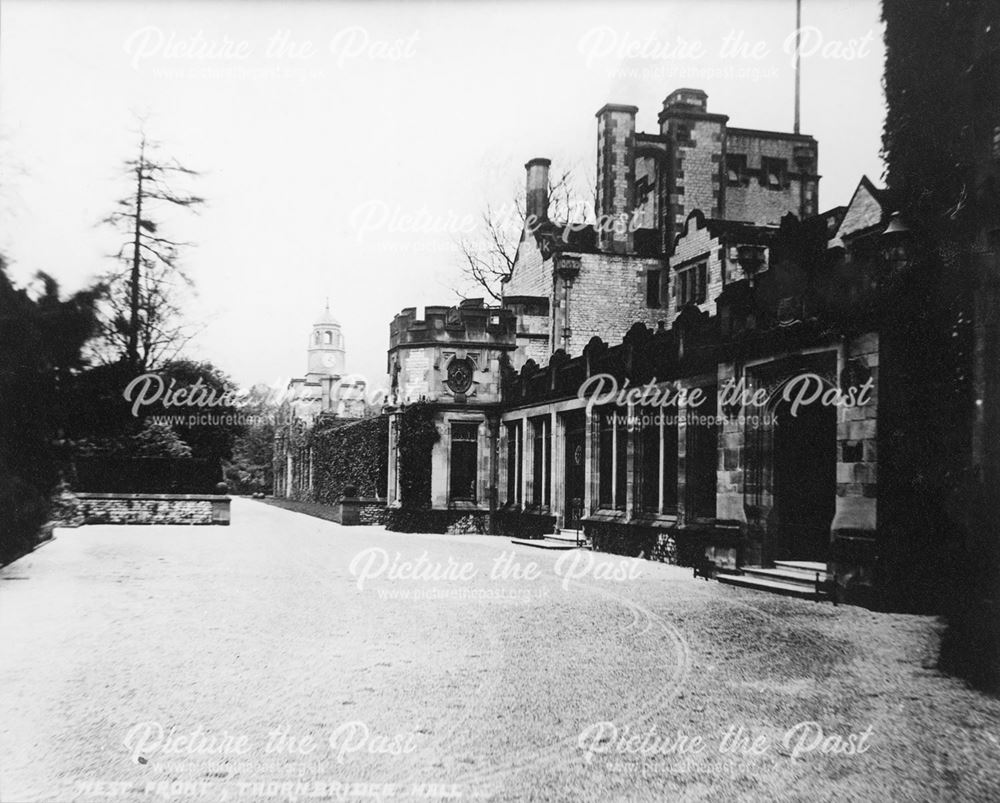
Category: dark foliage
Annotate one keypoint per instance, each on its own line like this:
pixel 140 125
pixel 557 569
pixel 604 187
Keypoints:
pixel 161 475
pixel 43 336
pixel 350 456
pixel 417 435
pixel 422 520
pixel 938 532
pixel 929 96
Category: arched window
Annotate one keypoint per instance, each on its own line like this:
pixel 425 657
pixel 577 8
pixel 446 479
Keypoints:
pixel 329 337
pixel 316 338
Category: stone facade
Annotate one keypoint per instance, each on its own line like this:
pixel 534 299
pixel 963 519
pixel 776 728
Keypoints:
pixel 153 508
pixel 745 332
pixel 599 279
pixel 452 358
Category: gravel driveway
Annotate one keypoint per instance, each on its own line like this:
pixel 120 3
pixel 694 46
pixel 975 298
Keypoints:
pixel 289 658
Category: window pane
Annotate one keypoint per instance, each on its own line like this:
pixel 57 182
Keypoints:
pixel 653 289
pixel 538 462
pixel 621 467
pixel 464 461
pixel 649 481
pixel 513 463
pixel 604 454
pixel 670 462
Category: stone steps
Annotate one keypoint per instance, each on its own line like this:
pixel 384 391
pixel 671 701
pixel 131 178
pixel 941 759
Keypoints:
pixel 790 576
pixel 549 542
pixel 773 586
pixel 806 566
pixel 793 578
pixel 572 536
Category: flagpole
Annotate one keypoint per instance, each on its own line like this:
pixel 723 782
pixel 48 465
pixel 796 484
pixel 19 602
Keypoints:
pixel 798 59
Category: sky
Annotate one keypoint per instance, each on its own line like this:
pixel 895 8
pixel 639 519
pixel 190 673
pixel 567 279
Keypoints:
pixel 344 148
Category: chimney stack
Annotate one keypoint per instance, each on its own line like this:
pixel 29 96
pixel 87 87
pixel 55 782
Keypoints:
pixel 615 176
pixel 537 190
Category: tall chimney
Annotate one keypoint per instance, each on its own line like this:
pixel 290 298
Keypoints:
pixel 537 190
pixel 615 176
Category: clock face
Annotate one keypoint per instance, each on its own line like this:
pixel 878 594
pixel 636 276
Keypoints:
pixel 329 360
pixel 460 375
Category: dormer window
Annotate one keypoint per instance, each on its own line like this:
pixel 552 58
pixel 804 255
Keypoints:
pixel 736 169
pixel 772 172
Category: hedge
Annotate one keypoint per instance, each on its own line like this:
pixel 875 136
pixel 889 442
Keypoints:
pixel 353 455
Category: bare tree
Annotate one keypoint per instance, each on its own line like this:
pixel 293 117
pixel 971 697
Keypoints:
pixel 140 316
pixel 487 256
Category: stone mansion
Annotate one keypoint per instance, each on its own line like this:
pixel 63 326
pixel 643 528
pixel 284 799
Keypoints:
pixel 716 372
pixel 710 267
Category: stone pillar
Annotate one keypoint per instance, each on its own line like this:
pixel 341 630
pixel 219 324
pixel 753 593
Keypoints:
pixel 440 465
pixel 392 489
pixel 729 496
pixel 631 434
pixel 525 465
pixel 682 412
pixel 853 530
pixel 591 475
pixel 502 446
pixel 557 466
pixel 528 453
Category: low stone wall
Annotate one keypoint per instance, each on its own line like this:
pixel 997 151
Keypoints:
pixel 451 522
pixel 98 508
pixel 523 524
pixel 618 538
pixel 661 540
pixel 363 511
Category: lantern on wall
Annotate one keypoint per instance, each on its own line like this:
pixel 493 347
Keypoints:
pixel 897 243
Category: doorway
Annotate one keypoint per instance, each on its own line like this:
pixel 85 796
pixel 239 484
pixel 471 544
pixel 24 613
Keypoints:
pixel 576 456
pixel 805 481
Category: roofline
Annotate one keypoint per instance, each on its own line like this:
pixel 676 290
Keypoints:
pixel 760 132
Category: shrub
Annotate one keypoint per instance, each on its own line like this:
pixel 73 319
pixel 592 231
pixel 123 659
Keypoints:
pixel 23 510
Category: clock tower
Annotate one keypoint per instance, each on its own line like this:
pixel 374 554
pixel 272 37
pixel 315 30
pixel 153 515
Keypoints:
pixel 326 348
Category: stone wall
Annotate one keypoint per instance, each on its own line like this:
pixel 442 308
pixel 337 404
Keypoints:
pixel 634 540
pixel 855 522
pixel 755 202
pixel 698 171
pixel 153 508
pixel 533 276
pixel 695 242
pixel 451 522
pixel 606 298
pixel 359 511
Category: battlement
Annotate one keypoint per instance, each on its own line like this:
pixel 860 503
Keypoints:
pixel 471 321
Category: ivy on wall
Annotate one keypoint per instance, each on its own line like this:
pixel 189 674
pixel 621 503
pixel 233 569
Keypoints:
pixel 350 457
pixel 417 435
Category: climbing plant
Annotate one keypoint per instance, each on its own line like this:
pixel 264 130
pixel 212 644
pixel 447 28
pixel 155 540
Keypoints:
pixel 417 435
pixel 350 459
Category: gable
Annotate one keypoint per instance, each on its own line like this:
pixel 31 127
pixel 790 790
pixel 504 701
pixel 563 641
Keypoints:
pixel 864 211
pixel 529 276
